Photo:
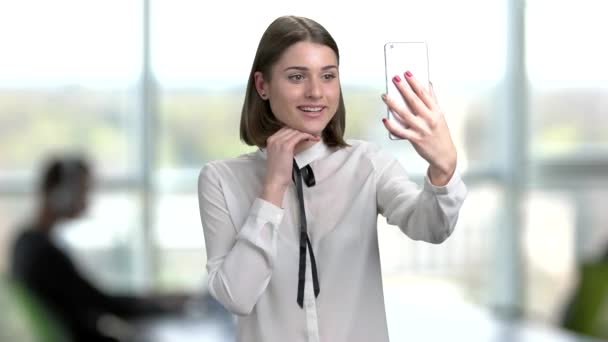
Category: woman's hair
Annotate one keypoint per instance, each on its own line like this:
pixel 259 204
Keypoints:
pixel 257 120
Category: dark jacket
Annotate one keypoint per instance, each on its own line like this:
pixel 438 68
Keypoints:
pixel 47 271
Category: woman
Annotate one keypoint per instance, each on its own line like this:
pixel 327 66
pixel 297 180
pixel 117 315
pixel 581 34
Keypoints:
pixel 316 277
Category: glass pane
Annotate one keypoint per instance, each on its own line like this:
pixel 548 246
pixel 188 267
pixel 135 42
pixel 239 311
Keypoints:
pixel 460 271
pixel 179 238
pixel 568 76
pixel 68 81
pixel 564 228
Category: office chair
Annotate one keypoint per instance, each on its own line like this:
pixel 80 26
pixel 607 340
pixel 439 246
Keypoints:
pixel 588 311
pixel 43 325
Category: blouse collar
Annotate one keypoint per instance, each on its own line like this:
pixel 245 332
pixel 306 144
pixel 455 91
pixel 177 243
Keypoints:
pixel 303 158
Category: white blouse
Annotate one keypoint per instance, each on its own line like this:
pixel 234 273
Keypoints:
pixel 252 245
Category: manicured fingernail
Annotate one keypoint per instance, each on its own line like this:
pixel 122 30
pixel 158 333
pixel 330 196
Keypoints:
pixel 383 96
pixel 384 120
pixel 396 79
pixel 408 74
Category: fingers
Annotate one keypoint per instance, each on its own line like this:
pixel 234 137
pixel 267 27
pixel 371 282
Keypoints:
pixel 407 118
pixel 422 103
pixel 399 131
pixel 287 138
pixel 292 140
pixel 281 134
pixel 418 89
pixel 286 132
pixel 413 94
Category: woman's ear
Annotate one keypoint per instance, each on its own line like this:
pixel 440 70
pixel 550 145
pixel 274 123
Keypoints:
pixel 260 85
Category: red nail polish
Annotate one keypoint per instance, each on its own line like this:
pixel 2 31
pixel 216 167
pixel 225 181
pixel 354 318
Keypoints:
pixel 396 79
pixel 384 120
pixel 408 74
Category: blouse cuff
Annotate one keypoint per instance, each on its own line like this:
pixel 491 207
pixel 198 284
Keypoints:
pixel 262 225
pixel 267 211
pixel 454 183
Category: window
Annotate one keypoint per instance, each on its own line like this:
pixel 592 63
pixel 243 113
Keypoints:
pixel 568 84
pixel 152 90
pixel 70 73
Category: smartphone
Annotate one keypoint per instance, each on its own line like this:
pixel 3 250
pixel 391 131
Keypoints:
pixel 400 57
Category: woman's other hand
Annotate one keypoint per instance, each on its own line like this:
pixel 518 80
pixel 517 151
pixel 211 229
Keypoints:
pixel 280 150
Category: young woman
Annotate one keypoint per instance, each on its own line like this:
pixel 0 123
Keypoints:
pixel 300 262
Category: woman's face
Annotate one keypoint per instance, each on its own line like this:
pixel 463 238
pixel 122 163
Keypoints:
pixel 304 88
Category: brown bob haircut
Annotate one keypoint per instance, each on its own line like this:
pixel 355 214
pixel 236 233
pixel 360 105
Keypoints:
pixel 258 122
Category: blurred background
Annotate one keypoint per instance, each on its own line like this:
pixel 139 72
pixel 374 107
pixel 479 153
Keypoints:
pixel 150 90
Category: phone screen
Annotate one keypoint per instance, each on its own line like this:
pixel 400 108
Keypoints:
pixel 400 57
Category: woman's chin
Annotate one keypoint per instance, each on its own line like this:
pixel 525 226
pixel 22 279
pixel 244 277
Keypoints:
pixel 311 130
pixel 307 129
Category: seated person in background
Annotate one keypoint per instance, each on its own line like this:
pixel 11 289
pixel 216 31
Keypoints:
pixel 49 274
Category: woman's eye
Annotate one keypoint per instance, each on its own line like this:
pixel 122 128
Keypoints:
pixel 329 76
pixel 296 77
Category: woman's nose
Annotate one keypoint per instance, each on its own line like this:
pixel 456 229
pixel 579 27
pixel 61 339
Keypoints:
pixel 314 89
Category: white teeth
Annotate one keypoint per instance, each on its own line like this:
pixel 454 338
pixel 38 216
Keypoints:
pixel 311 109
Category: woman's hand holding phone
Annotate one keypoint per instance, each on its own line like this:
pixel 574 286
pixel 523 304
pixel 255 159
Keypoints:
pixel 280 150
pixel 425 126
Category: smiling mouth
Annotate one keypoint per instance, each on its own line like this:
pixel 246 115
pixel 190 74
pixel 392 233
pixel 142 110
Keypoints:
pixel 311 110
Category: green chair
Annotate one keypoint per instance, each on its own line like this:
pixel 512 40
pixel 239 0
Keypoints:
pixel 13 326
pixel 589 307
pixel 41 325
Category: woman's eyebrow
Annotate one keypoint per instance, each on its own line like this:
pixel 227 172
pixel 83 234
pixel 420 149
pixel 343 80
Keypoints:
pixel 303 68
